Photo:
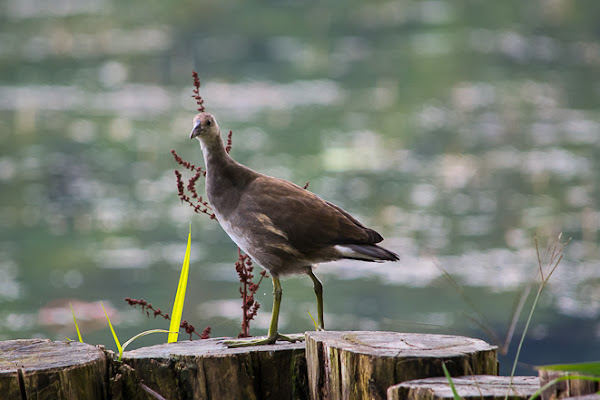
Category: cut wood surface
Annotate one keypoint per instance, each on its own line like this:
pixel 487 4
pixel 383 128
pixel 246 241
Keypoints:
pixel 485 387
pixel 207 369
pixel 585 397
pixel 41 369
pixel 362 365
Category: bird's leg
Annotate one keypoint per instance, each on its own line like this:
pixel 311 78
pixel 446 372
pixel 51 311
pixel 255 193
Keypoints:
pixel 273 331
pixel 318 287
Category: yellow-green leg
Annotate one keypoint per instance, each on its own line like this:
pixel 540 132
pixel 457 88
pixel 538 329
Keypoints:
pixel 273 332
pixel 318 287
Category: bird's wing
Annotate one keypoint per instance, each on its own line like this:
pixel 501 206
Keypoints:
pixel 306 220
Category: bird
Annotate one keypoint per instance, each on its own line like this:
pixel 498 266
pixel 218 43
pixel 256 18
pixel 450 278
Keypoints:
pixel 285 228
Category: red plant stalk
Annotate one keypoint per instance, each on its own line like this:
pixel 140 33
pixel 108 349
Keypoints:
pixel 248 289
pixel 147 307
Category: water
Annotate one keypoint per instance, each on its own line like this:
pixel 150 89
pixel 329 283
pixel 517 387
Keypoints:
pixel 460 132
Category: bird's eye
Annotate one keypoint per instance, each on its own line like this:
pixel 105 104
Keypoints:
pixel 209 122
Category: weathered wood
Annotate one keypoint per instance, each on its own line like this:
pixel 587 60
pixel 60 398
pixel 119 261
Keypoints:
pixel 485 387
pixel 207 369
pixel 341 365
pixel 41 369
pixel 353 365
pixel 567 388
pixel 125 383
pixel 586 397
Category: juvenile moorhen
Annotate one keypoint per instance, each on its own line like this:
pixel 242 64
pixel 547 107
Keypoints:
pixel 283 227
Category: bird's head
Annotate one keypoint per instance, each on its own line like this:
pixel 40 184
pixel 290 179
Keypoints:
pixel 205 127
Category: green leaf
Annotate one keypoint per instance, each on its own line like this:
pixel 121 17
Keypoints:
pixel 139 335
pixel 180 296
pixel 313 320
pixel 450 382
pixel 76 326
pixel 587 368
pixel 113 333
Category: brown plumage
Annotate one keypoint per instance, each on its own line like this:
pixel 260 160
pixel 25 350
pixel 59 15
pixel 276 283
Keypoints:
pixel 283 227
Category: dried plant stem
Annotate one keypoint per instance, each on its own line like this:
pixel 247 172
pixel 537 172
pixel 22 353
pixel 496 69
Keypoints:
pixel 147 307
pixel 196 92
pixel 556 254
pixel 515 318
pixel 248 289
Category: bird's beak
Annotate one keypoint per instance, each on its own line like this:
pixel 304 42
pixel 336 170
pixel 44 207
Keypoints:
pixel 196 130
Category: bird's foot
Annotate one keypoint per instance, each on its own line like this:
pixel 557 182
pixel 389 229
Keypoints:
pixel 297 337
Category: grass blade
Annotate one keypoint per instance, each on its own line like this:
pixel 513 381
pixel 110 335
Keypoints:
pixel 588 368
pixel 516 315
pixel 525 329
pixel 450 382
pixel 555 249
pixel 139 335
pixel 180 296
pixel 313 320
pixel 113 333
pixel 76 326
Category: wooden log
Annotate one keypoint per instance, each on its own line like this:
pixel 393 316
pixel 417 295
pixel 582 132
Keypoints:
pixel 41 369
pixel 342 365
pixel 207 369
pixel 355 365
pixel 475 387
pixel 567 388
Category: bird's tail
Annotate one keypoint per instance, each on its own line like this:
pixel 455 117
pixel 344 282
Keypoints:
pixel 366 252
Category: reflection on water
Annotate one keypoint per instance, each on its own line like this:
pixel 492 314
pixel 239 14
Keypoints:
pixel 458 133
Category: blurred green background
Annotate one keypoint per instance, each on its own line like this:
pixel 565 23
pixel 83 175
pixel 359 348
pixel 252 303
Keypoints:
pixel 459 130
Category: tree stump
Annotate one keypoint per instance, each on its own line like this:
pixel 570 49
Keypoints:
pixel 567 388
pixel 41 369
pixel 207 369
pixel 475 387
pixel 355 365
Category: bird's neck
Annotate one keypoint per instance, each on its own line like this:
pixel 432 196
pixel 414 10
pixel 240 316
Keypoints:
pixel 225 178
pixel 214 153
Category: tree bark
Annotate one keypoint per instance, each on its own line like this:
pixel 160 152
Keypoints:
pixel 567 388
pixel 41 369
pixel 353 365
pixel 207 369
